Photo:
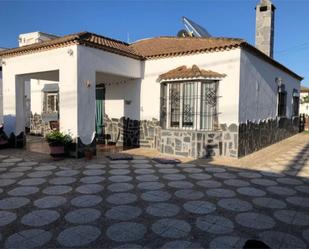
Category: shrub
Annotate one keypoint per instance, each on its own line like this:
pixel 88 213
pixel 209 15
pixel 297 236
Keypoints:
pixel 57 138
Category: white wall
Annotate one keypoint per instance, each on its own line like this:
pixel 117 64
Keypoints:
pixel 115 96
pixel 18 69
pixel 224 62
pixel 259 90
pixel 91 61
pixel 36 96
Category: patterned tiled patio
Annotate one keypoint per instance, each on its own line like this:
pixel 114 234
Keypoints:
pixel 143 204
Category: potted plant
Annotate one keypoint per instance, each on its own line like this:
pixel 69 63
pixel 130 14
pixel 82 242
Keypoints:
pixel 58 141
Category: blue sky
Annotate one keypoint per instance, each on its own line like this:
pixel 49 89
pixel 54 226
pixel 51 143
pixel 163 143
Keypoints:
pixel 147 18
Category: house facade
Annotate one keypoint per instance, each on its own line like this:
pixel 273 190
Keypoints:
pixel 188 96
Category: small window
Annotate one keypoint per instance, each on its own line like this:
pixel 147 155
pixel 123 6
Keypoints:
pixel 51 102
pixel 263 8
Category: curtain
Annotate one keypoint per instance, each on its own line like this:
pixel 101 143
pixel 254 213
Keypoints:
pixel 100 94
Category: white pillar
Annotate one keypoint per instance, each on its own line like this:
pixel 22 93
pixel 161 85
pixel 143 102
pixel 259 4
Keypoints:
pixel 13 104
pixel 20 104
pixel 68 101
pixel 86 105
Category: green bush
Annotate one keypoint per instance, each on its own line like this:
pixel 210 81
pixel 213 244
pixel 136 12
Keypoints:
pixel 57 138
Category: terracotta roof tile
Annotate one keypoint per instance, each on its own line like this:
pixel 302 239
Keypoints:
pixel 152 48
pixel 175 46
pixel 82 38
pixel 184 72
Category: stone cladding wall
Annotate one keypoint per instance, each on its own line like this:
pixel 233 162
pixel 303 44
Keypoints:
pixel 38 126
pixel 197 144
pixel 255 136
pixel 133 133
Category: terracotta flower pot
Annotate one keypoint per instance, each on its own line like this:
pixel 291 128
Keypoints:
pixel 56 151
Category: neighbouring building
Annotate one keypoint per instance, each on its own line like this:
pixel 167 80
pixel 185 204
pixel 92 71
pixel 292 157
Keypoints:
pixel 181 96
pixel 304 100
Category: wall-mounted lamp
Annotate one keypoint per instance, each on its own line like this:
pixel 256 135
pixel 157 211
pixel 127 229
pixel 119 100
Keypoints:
pixel 88 83
pixel 128 102
pixel 4 63
pixel 70 52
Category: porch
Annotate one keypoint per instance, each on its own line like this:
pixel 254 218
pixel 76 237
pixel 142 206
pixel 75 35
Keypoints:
pixel 91 86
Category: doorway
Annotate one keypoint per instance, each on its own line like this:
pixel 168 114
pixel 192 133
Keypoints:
pixel 100 112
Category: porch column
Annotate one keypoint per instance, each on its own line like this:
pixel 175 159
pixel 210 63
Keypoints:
pixel 68 101
pixel 13 108
pixel 86 109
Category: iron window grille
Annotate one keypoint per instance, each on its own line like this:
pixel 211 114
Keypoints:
pixel 189 105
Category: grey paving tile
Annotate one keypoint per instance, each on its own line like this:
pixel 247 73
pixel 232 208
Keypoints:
pixel 83 215
pixel 276 240
pixel 13 202
pixel 31 238
pixel 121 198
pixel 89 188
pixel 6 218
pixel 126 231
pixel 255 220
pixel 227 242
pixel 156 196
pixel 78 236
pixel 163 210
pixel 171 228
pixel 86 200
pixel 235 204
pixel 40 218
pixel 199 207
pixel 50 202
pixel 123 213
pixel 215 224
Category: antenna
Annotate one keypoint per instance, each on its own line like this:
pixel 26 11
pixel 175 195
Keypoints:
pixel 193 29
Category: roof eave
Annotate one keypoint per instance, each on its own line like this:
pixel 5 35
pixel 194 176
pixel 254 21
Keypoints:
pixel 160 80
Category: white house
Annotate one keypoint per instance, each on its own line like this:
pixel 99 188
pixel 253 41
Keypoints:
pixel 182 96
pixel 304 105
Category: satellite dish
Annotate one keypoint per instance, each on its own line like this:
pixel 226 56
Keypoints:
pixel 193 29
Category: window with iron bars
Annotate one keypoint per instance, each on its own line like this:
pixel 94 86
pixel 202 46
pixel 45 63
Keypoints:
pixel 189 105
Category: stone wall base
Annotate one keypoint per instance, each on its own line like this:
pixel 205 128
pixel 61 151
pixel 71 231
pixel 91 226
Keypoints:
pixel 133 133
pixel 148 134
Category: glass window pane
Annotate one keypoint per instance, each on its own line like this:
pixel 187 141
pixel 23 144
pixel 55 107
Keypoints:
pixel 188 104
pixel 174 99
pixel 163 105
pixel 208 105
